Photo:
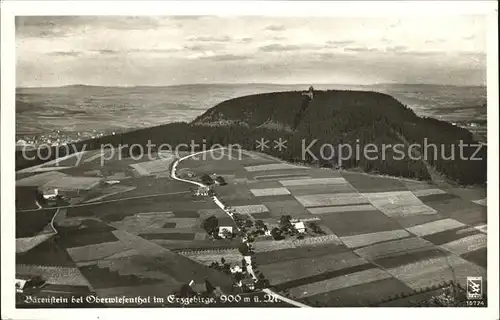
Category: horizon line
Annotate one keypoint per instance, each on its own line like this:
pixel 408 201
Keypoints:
pixel 246 83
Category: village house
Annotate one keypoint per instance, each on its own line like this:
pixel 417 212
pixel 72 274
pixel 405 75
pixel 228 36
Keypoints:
pixel 202 191
pixel 225 231
pixel 236 269
pixel 299 226
pixel 49 193
pixel 247 284
pixel 198 288
pixel 24 282
pixel 220 181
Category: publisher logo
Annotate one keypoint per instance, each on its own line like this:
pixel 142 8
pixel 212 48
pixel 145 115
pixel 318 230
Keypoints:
pixel 474 288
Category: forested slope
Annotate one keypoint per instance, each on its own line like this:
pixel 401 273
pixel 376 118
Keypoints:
pixel 356 118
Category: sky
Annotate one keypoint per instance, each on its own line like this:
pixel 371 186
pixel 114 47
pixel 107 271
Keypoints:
pixel 172 50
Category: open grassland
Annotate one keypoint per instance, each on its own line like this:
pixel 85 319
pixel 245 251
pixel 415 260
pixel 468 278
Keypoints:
pixel 45 169
pixel 109 191
pixel 427 192
pixel 435 227
pixel 351 223
pixel 344 281
pixel 40 179
pixel 276 256
pixel 134 265
pixel 101 278
pixel 141 221
pixel 282 272
pixel 371 238
pixel 478 257
pixel 341 209
pixel 197 245
pixel 269 192
pixel 425 273
pixel 437 197
pixel 88 232
pixel 461 210
pixel 55 275
pixel 123 254
pixel 339 199
pixel 482 202
pixel 275 176
pixel 231 256
pixel 96 251
pixel 264 246
pixel 273 166
pixel 48 253
pixel 26 244
pixel 398 203
pixel 467 244
pixel 234 192
pixel 146 186
pixel 250 209
pixel 411 221
pixel 74 183
pixel 366 183
pixel 154 166
pixel 304 190
pixel 452 235
pixel 26 198
pixel 285 207
pixel 359 296
pixel 393 248
pixel 180 204
pixel 313 181
pixel 168 236
pixel 30 224
pixel 406 258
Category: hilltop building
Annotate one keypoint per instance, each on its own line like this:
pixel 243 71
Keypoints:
pixel 309 93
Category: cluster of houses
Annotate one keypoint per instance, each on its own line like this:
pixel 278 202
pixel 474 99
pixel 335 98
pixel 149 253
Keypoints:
pixel 49 196
pixel 24 283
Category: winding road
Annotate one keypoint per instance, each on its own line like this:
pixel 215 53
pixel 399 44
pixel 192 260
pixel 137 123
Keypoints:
pixel 219 203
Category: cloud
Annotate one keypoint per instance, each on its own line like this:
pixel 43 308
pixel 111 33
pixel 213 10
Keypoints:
pixel 187 17
pixel 396 49
pixel 65 53
pixel 440 40
pixel 275 27
pixel 58 26
pixel 339 43
pixel 203 47
pixel 210 39
pixel 226 57
pixel 106 51
pixel 154 50
pixel 279 47
pixel 361 49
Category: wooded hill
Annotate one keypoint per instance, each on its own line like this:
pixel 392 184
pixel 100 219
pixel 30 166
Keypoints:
pixel 335 117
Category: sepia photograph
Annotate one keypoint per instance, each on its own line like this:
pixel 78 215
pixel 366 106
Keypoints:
pixel 265 160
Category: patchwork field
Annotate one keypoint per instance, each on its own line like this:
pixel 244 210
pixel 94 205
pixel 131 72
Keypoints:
pixel 398 203
pixel 378 236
